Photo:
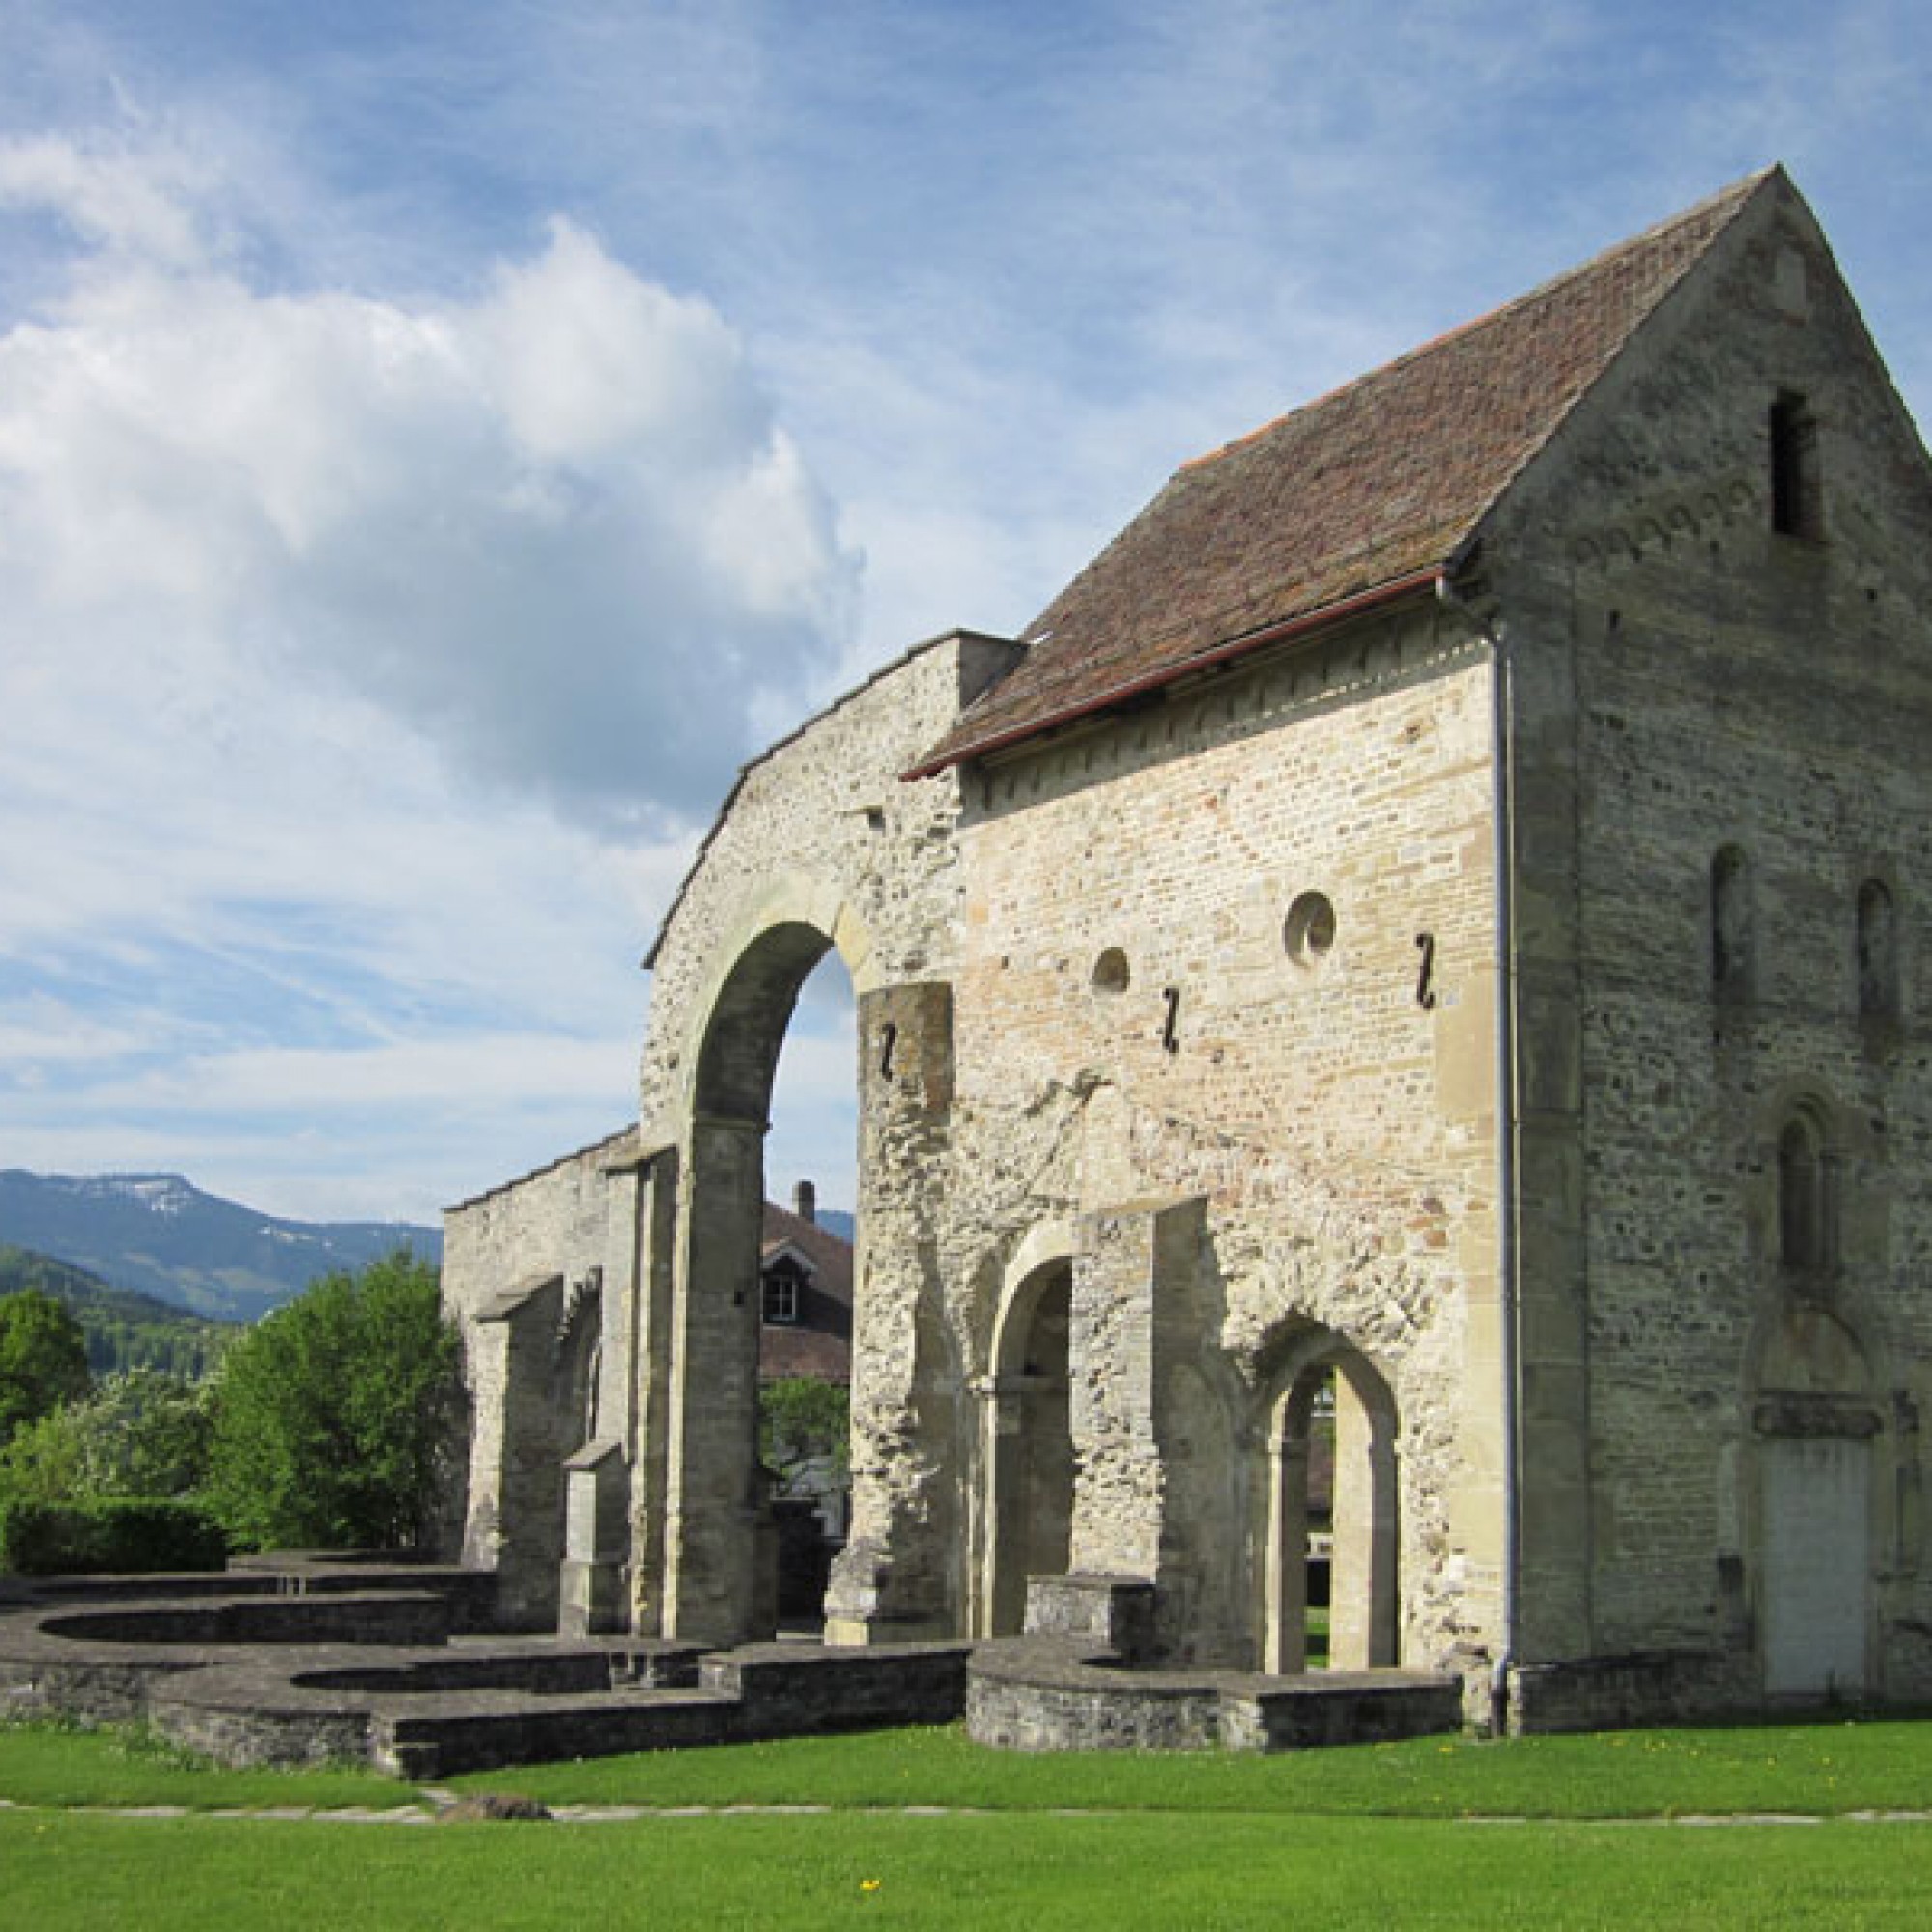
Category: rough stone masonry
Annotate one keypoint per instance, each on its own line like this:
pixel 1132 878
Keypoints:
pixel 1423 933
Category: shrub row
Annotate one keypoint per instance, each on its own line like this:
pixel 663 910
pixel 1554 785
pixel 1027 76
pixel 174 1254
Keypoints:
pixel 121 1534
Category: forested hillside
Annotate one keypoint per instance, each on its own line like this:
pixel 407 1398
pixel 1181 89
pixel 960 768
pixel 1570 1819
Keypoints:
pixel 123 1329
pixel 161 1235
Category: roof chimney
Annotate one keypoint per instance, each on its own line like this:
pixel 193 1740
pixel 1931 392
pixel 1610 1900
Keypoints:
pixel 805 1201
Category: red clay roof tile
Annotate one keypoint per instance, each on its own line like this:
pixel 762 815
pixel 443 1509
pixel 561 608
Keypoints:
pixel 1367 490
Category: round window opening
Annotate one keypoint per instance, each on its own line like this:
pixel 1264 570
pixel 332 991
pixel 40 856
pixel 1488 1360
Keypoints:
pixel 1309 932
pixel 1111 972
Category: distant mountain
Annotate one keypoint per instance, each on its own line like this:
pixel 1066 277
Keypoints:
pixel 123 1329
pixel 845 1225
pixel 160 1235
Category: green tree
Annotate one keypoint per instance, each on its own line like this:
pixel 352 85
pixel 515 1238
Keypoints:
pixel 41 1463
pixel 803 1420
pixel 141 1433
pixel 42 1359
pixel 332 1415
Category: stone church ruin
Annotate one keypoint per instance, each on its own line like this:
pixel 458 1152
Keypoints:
pixel 1423 931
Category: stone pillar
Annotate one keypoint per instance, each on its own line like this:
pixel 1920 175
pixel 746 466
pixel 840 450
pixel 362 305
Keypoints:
pixel 1000 1597
pixel 1362 1632
pixel 590 1589
pixel 1133 1340
pixel 1556 1498
pixel 1117 1504
pixel 650 1345
pixel 515 1525
pixel 1284 1618
pixel 719 1582
pixel 902 1574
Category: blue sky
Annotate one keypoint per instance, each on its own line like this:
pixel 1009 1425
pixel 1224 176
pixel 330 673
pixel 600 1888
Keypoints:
pixel 439 443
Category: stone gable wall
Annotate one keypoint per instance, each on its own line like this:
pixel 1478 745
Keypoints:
pixel 1690 680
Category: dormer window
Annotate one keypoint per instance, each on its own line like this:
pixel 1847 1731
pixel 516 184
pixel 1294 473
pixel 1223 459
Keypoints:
pixel 1796 486
pixel 782 1284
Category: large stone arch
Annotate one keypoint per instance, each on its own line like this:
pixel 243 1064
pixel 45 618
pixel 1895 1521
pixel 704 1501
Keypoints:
pixel 719 1552
pixel 820 849
pixel 785 927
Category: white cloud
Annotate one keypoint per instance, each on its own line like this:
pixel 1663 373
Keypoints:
pixel 390 579
pixel 367 668
pixel 554 529
pixel 116 199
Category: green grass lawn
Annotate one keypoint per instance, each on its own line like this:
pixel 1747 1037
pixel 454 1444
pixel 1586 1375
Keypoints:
pixel 1017 1869
pixel 1385 1836
pixel 1816 1769
pixel 56 1766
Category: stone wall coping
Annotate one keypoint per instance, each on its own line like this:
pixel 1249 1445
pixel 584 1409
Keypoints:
pixel 618 1156
pixel 960 634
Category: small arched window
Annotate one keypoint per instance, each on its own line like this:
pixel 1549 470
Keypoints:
pixel 1732 965
pixel 1878 952
pixel 1806 1210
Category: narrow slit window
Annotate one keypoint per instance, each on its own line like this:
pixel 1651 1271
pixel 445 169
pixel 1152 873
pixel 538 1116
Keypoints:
pixel 1797 487
pixel 1878 952
pixel 1731 947
pixel 1808 1232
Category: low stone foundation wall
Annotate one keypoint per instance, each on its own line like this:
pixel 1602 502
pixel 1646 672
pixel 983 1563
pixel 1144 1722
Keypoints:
pixel 94 1691
pixel 1049 1693
pixel 297 1675
pixel 400 1618
pixel 1336 1707
pixel 242 1718
pixel 280 1673
pixel 1045 1693
pixel 442 1737
pixel 1601 1694
pixel 786 1689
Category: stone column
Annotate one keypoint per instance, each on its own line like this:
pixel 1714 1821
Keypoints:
pixel 650 1345
pixel 1362 1632
pixel 589 1590
pixel 720 1583
pixel 902 1572
pixel 516 1487
pixel 999 1597
pixel 1133 1342
pixel 1284 1617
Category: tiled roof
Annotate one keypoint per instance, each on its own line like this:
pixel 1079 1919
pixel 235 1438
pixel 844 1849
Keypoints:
pixel 828 1253
pixel 820 1342
pixel 1367 493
